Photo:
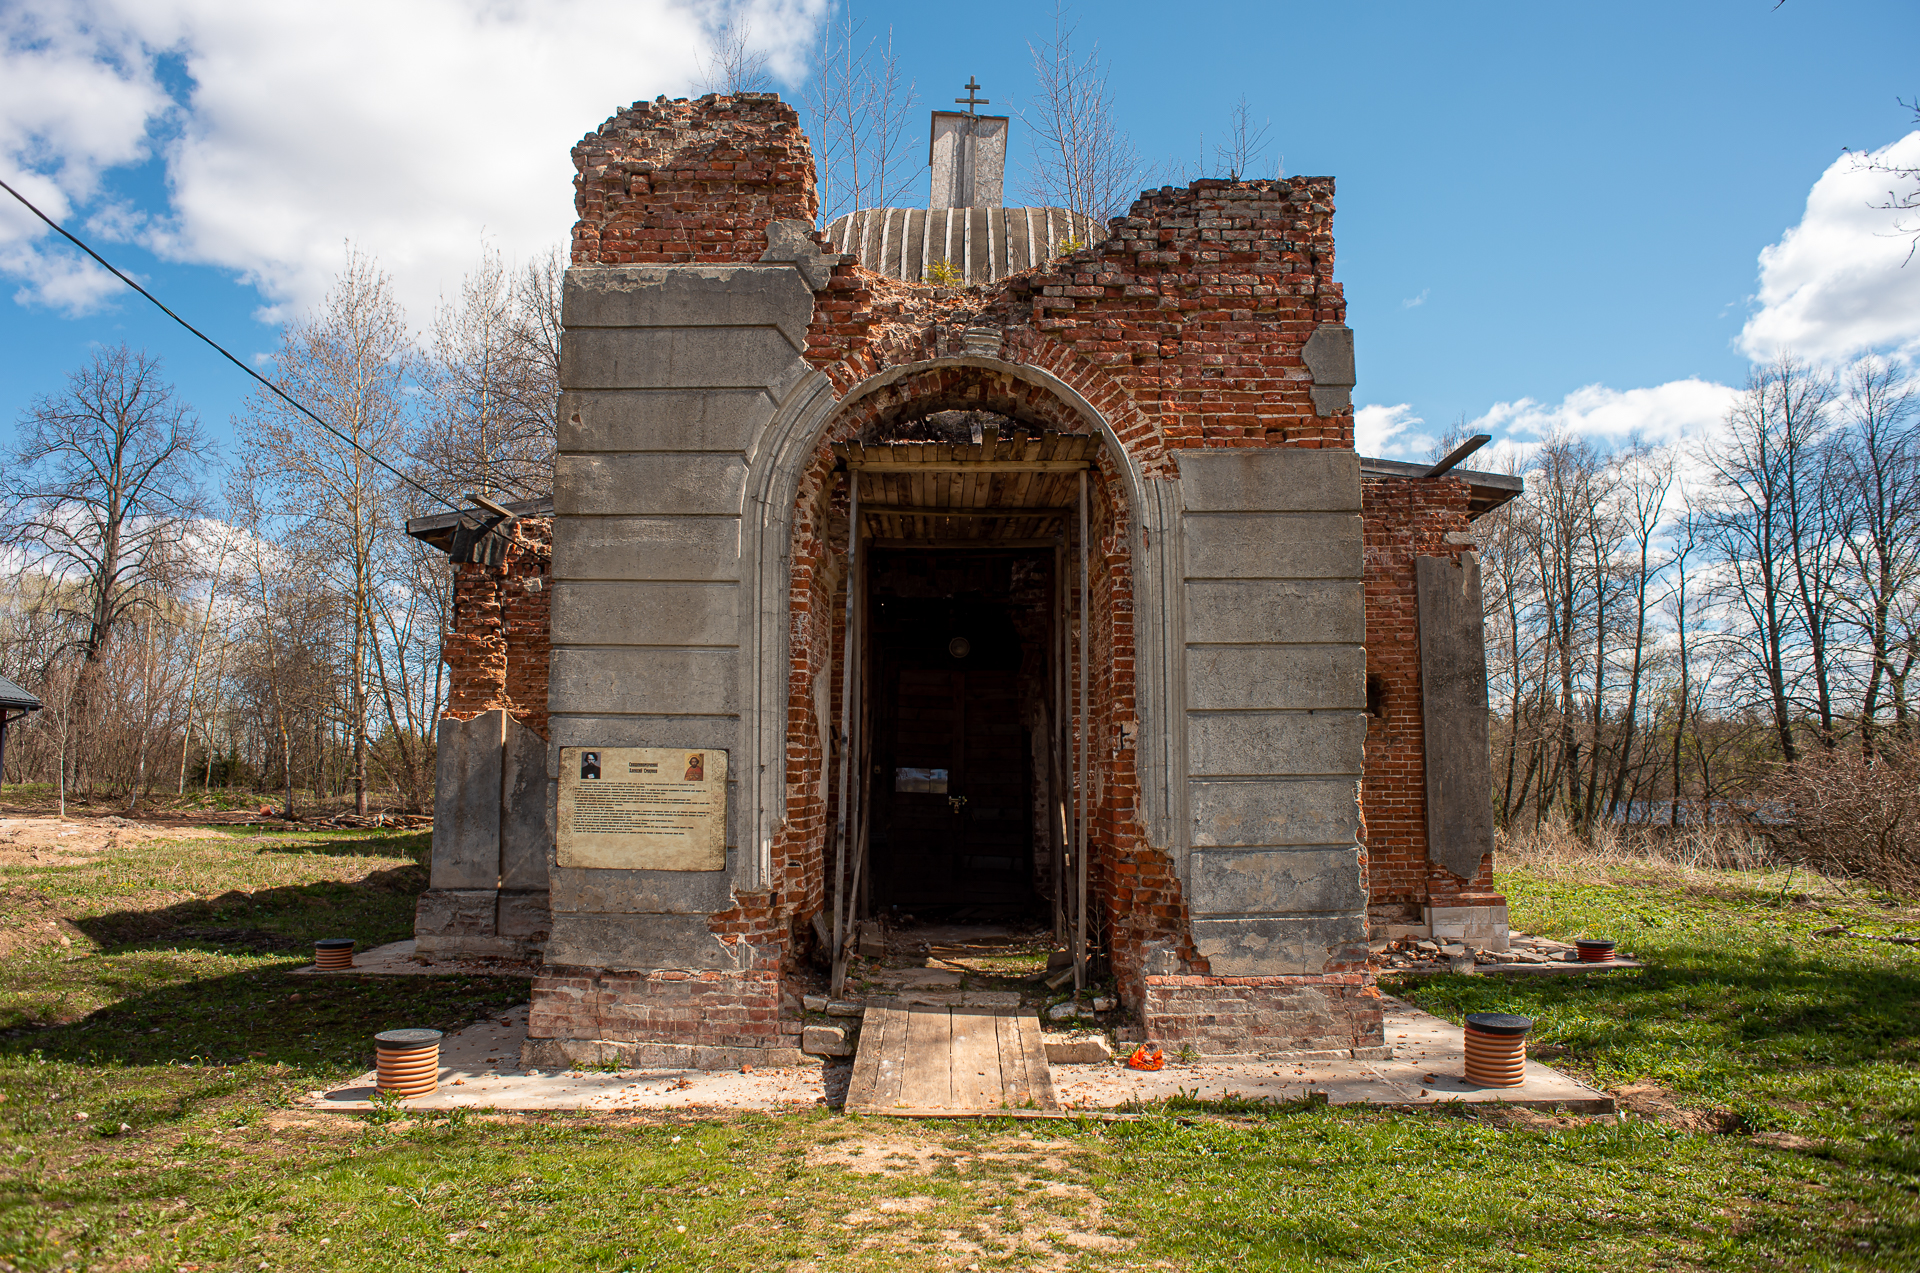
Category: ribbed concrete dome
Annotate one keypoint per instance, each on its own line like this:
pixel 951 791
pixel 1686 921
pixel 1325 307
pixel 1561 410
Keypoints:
pixel 983 244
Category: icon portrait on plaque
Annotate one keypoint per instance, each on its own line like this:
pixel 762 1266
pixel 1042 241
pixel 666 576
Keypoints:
pixel 589 764
pixel 696 764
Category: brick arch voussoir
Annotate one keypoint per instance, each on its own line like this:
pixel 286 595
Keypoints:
pixel 968 387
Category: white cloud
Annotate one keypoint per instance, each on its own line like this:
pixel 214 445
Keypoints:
pixel 1383 432
pixel 1680 411
pixel 1840 282
pixel 1414 302
pixel 414 130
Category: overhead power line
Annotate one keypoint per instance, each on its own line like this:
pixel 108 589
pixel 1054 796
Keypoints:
pixel 221 350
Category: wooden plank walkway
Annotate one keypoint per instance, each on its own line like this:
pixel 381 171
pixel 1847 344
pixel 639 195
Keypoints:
pixel 933 1060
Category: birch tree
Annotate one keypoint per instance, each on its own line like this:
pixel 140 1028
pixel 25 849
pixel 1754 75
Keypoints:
pixel 861 103
pixel 349 360
pixel 1083 160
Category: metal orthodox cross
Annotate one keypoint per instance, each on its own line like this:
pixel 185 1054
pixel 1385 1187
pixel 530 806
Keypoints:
pixel 970 100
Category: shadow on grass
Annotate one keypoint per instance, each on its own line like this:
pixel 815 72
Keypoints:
pixel 159 1038
pixel 373 910
pixel 415 846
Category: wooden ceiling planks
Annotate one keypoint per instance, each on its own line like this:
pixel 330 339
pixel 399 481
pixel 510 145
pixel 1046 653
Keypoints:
pixel 996 490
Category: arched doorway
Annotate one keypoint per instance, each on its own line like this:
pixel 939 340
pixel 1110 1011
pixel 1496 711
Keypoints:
pixel 961 647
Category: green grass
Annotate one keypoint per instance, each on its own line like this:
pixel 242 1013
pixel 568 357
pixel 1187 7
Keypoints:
pixel 1742 1013
pixel 1746 1021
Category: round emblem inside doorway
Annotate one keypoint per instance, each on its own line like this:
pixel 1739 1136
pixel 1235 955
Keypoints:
pixel 959 647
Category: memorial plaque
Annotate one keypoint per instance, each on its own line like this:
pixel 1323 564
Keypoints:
pixel 642 808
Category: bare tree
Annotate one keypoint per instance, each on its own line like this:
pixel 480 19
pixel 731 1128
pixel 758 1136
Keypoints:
pixel 1905 196
pixel 102 482
pixel 1083 160
pixel 1876 488
pixel 1755 518
pixel 350 359
pixel 493 382
pixel 1246 145
pixel 861 102
pixel 215 578
pixel 1686 539
pixel 734 66
pixel 1645 497
pixel 536 344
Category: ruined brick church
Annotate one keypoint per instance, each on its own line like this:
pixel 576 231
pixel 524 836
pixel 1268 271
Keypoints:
pixel 959 561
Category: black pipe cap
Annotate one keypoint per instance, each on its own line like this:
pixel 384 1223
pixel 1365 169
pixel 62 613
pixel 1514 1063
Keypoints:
pixel 407 1038
pixel 334 943
pixel 1499 1022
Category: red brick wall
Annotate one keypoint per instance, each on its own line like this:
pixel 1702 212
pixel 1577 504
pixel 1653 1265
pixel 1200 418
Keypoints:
pixel 1183 328
pixel 496 650
pixel 704 1009
pixel 1216 1015
pixel 682 182
pixel 1404 518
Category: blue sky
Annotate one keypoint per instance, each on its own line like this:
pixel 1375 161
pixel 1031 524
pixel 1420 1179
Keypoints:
pixel 1548 215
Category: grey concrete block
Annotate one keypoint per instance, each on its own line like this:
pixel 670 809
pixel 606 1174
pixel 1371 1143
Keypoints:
pixel 1266 881
pixel 791 242
pixel 1329 611
pixel 1259 744
pixel 1280 945
pixel 523 915
pixel 646 548
pixel 1076 1049
pixel 1276 812
pixel 668 682
pixel 1330 399
pixel 640 943
pixel 470 946
pixel 649 485
pixel 466 802
pixel 1238 677
pixel 826 1040
pixel 1274 480
pixel 721 733
pixel 1453 697
pixel 1272 545
pixel 630 612
pixel 449 912
pixel 1328 354
pixel 677 358
pixel 688 296
pixel 525 832
pixel 614 892
pixel 664 419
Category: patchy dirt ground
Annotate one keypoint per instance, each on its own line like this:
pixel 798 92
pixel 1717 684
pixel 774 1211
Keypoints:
pixel 52 841
pixel 1011 1202
pixel 1652 1101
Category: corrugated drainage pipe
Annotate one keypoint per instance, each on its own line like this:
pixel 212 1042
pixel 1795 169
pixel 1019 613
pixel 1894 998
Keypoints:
pixel 333 953
pixel 1497 1048
pixel 1595 950
pixel 407 1061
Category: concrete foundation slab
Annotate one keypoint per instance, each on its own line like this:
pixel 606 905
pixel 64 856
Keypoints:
pixel 480 1070
pixel 406 959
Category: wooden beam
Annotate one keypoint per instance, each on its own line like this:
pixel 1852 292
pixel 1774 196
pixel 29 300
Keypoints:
pixel 994 466
pixel 947 544
pixel 922 510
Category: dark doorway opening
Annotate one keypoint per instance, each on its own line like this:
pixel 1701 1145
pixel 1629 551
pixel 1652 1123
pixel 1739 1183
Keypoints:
pixel 959 643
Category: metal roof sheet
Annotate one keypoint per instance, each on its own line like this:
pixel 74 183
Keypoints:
pixel 12 695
